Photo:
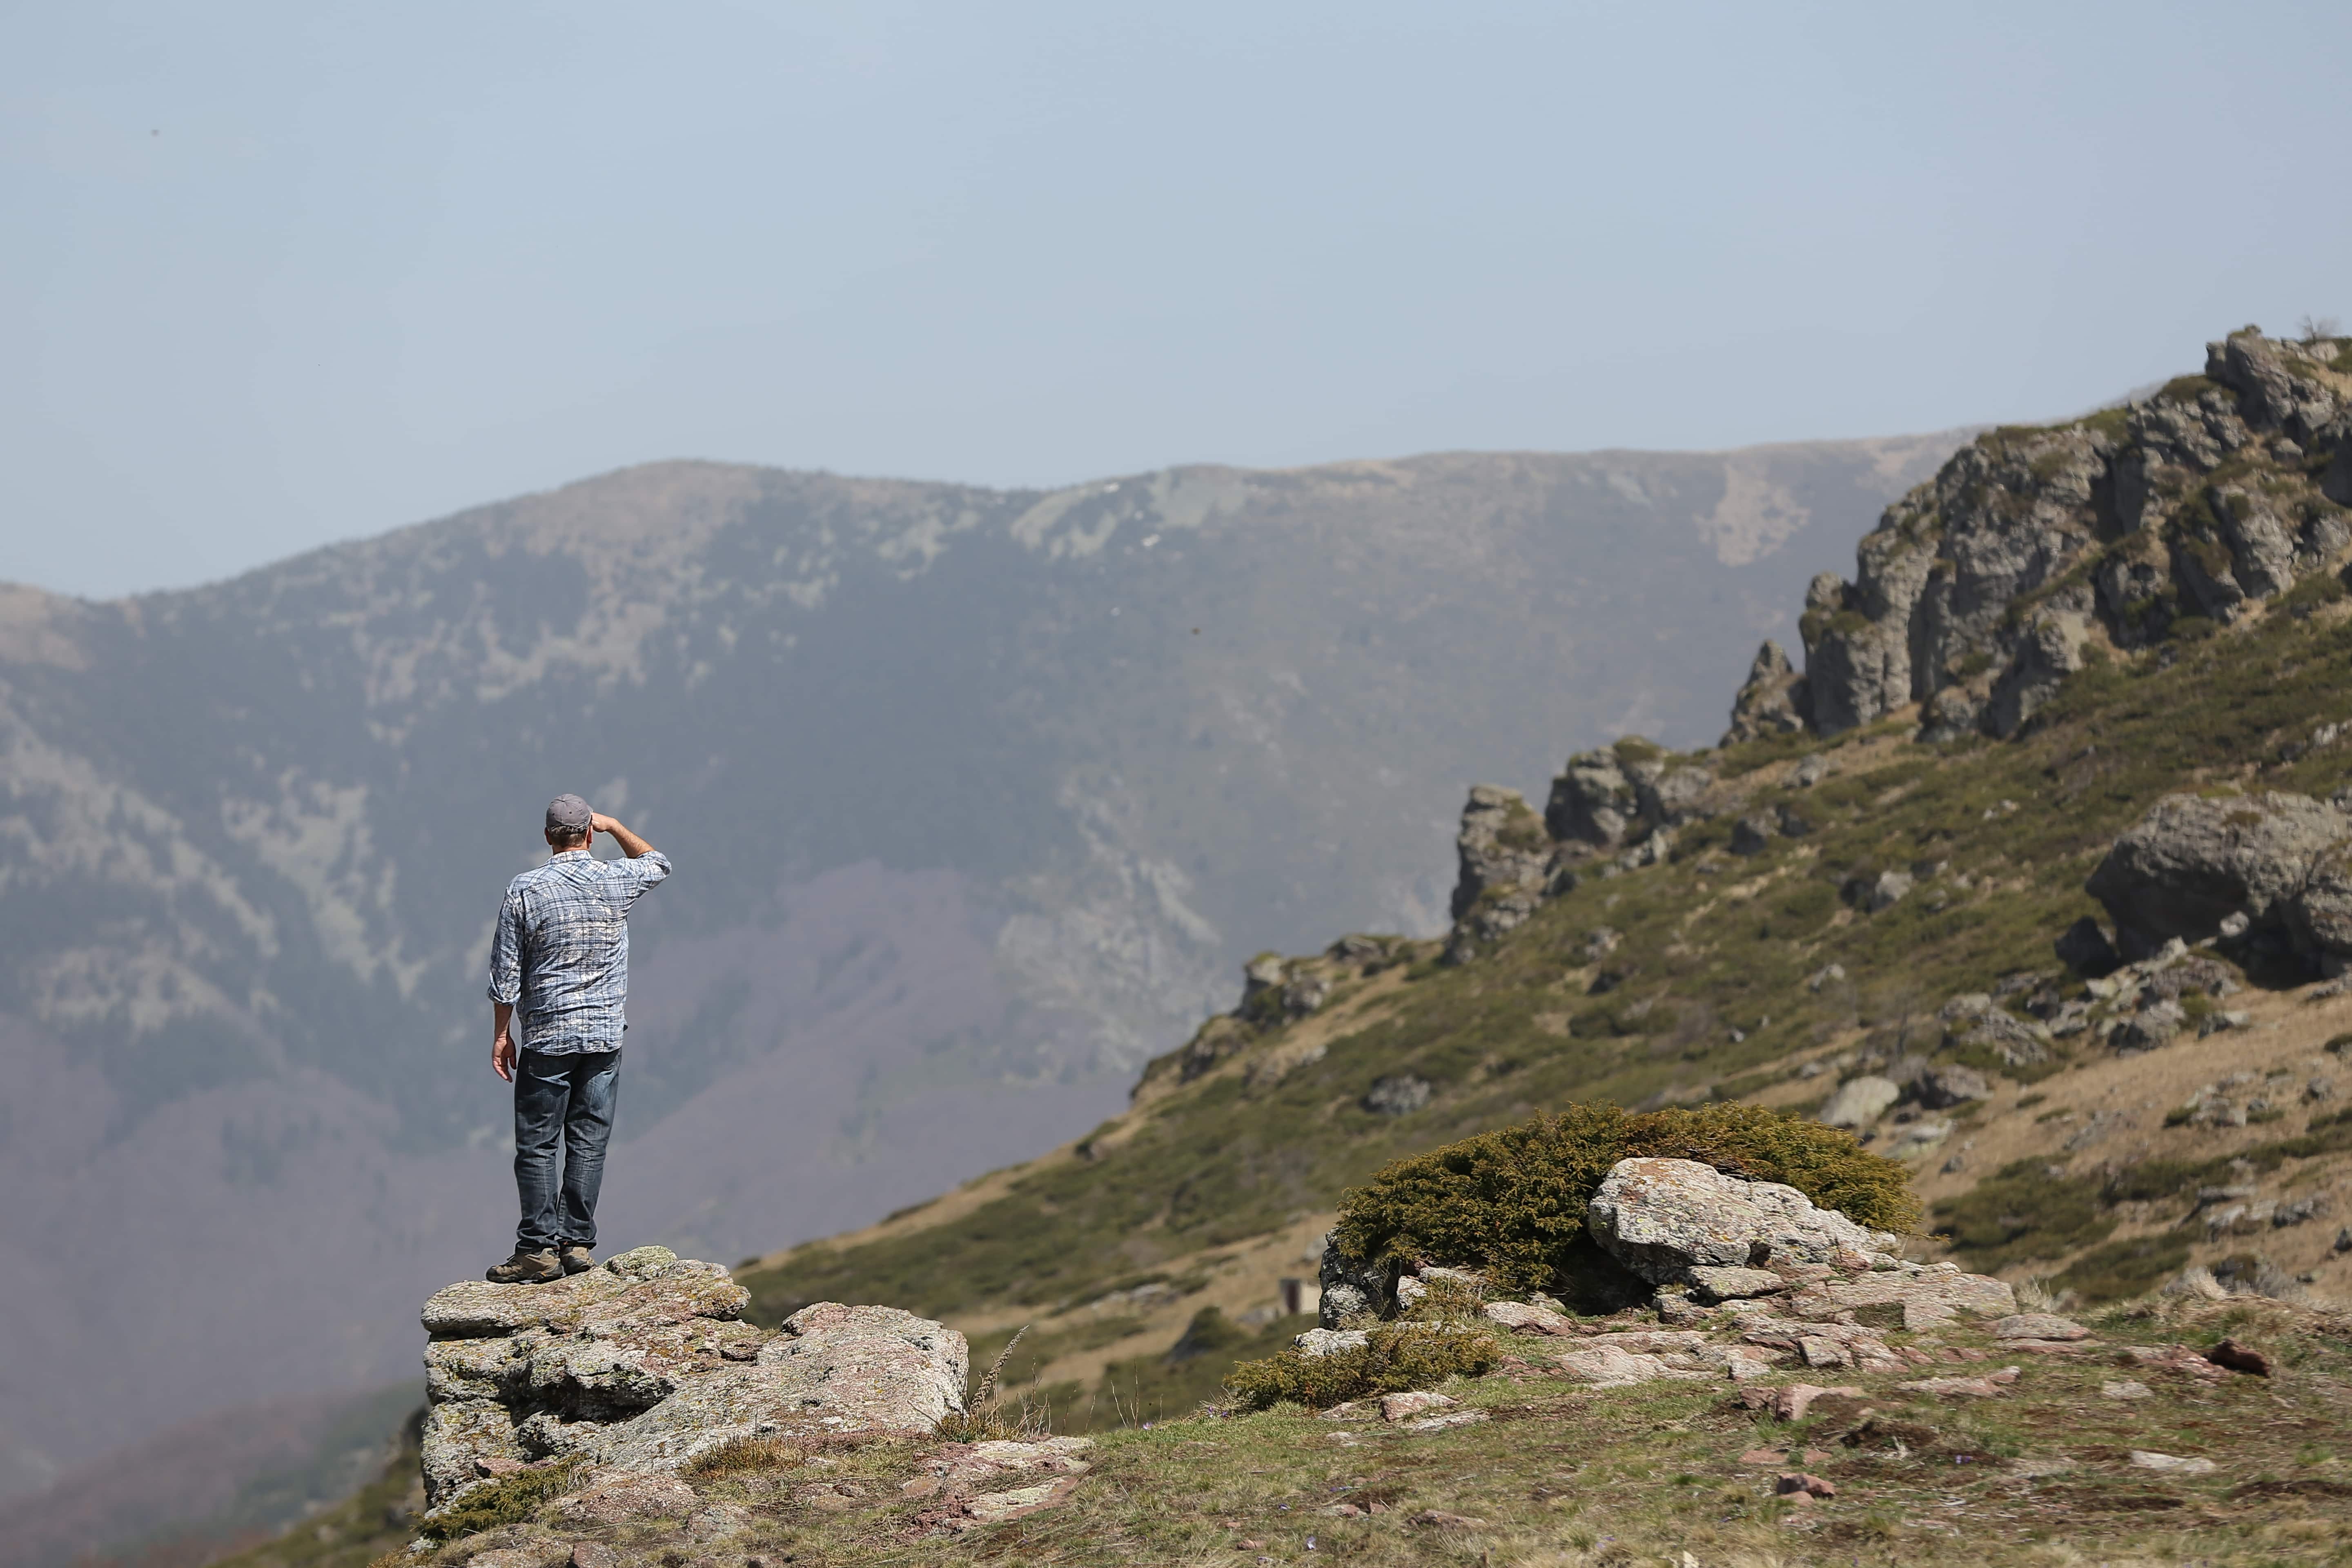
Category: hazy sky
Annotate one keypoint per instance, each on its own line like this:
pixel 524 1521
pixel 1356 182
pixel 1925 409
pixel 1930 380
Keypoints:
pixel 275 275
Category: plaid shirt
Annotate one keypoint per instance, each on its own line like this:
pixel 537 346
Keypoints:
pixel 561 952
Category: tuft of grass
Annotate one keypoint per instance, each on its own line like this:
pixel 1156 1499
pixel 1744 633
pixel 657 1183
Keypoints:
pixel 1395 1357
pixel 980 1418
pixel 746 1455
pixel 510 1500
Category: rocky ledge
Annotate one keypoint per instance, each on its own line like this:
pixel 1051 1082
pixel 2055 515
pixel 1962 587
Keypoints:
pixel 637 1368
pixel 1749 1275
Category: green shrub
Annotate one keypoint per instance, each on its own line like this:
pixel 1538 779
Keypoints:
pixel 1511 1202
pixel 2021 1211
pixel 1394 1358
pixel 2122 1268
pixel 510 1500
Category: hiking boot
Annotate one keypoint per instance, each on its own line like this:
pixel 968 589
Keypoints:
pixel 526 1269
pixel 576 1259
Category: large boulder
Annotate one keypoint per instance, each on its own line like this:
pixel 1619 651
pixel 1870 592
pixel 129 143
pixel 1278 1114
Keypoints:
pixel 1354 1293
pixel 2192 862
pixel 1592 802
pixel 643 1364
pixel 1860 1101
pixel 1663 1218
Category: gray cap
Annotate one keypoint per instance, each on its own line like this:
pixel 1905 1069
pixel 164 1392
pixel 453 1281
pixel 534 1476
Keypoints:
pixel 569 813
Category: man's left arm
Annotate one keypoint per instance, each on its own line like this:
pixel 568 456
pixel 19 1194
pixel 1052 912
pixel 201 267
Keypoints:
pixel 506 986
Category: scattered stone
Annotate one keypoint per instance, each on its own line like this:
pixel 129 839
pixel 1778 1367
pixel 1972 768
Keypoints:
pixel 1611 1366
pixel 1860 1101
pixel 2236 1357
pixel 2150 1027
pixel 2170 1464
pixel 1792 1403
pixel 1890 889
pixel 1523 1319
pixel 1397 1407
pixel 995 1508
pixel 1729 1282
pixel 1326 1341
pixel 1446 1422
pixel 2126 1388
pixel 1928 1297
pixel 1983 1387
pixel 2302 1211
pixel 2182 1359
pixel 1828 975
pixel 1941 1086
pixel 1918 1138
pixel 1972 1020
pixel 2039 1326
pixel 1753 834
pixel 1680 1311
pixel 1398 1095
pixel 717 1521
pixel 1740 1363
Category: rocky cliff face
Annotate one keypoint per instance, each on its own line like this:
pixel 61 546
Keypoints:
pixel 1978 592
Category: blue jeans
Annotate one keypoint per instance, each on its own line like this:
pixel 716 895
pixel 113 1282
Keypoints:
pixel 563 1105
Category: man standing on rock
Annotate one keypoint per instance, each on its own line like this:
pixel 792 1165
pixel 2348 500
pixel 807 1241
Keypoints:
pixel 562 957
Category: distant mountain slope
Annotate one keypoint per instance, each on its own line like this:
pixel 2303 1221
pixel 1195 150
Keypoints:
pixel 978 799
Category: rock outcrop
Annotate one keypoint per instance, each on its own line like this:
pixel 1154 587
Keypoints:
pixel 643 1364
pixel 1978 592
pixel 1610 812
pixel 1773 701
pixel 2268 865
pixel 1507 863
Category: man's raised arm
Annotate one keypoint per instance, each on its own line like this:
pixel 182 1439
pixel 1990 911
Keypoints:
pixel 631 845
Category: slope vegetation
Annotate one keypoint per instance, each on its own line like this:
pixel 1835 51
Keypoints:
pixel 1828 899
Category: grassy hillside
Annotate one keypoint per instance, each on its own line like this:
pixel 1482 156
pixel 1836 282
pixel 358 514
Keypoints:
pixel 1549 1473
pixel 1718 983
